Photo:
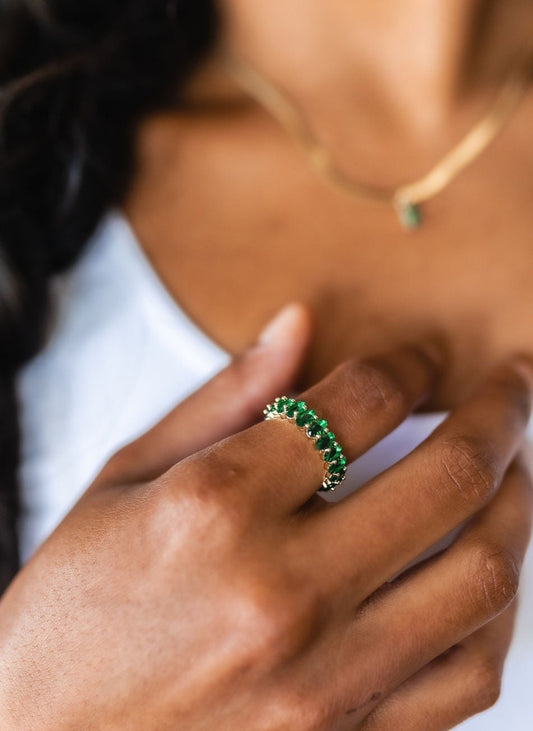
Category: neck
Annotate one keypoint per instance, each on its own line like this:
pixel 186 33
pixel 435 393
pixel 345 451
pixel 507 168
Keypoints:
pixel 430 52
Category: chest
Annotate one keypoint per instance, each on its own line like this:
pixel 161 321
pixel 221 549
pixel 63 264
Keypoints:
pixel 235 231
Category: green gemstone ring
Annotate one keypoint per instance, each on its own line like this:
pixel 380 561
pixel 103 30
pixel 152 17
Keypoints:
pixel 318 431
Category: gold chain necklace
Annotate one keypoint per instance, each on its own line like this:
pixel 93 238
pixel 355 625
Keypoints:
pixel 406 198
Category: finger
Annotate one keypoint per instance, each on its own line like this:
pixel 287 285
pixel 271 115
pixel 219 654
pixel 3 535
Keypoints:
pixel 231 401
pixel 408 508
pixel 413 620
pixel 362 401
pixel 457 685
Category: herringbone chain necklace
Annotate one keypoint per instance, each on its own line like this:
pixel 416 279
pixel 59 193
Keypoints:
pixel 406 199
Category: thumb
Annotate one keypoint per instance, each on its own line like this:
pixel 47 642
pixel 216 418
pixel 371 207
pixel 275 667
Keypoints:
pixel 230 402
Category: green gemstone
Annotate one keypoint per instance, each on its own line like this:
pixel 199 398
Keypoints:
pixel 333 453
pixel 410 215
pixel 305 417
pixel 317 427
pixel 325 441
pixel 291 407
pixel 337 469
pixel 280 406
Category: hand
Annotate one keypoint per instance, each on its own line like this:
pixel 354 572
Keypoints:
pixel 222 595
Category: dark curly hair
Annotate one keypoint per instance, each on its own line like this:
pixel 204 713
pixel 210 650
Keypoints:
pixel 75 79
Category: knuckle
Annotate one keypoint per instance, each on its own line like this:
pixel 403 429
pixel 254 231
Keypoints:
pixel 494 577
pixel 288 710
pixel 298 709
pixel 206 488
pixel 372 388
pixel 216 472
pixel 485 682
pixel 468 468
pixel 280 622
pixel 305 714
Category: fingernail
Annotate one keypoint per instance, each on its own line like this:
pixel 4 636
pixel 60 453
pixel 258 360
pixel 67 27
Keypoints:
pixel 275 333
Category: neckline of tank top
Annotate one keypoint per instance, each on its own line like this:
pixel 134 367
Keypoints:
pixel 115 227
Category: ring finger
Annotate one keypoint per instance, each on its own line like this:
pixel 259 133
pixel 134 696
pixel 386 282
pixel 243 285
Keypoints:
pixel 362 400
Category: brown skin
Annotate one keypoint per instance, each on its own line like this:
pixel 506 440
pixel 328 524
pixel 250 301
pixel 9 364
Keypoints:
pixel 219 239
pixel 229 211
pixel 216 588
pixel 225 222
pixel 227 597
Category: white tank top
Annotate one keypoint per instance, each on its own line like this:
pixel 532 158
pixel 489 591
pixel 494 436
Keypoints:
pixel 120 354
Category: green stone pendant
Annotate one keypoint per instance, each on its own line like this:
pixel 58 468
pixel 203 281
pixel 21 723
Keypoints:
pixel 410 215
